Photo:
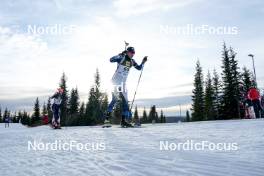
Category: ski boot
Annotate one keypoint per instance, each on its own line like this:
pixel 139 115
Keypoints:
pixel 107 121
pixel 125 124
pixel 56 125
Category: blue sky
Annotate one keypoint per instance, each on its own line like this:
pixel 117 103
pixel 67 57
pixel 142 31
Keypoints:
pixel 31 64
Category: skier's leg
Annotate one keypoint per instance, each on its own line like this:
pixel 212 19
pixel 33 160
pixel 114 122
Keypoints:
pixel 111 106
pixel 112 103
pixel 256 108
pixel 260 108
pixel 56 113
pixel 59 115
pixel 126 114
pixel 125 107
pixel 53 114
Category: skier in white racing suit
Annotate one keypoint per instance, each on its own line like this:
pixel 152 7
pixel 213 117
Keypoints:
pixel 124 63
pixel 57 99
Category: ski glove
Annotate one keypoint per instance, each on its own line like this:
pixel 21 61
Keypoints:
pixel 145 59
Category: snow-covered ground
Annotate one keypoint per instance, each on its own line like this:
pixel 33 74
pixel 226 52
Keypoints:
pixel 136 151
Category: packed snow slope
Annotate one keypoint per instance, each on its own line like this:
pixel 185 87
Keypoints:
pixel 136 151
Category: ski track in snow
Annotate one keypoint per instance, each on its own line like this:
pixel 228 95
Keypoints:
pixel 135 152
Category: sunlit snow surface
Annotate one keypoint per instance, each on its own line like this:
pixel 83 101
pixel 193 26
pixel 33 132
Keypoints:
pixel 136 151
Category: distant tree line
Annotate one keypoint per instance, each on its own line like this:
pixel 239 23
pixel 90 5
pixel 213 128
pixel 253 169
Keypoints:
pixel 13 117
pixel 150 117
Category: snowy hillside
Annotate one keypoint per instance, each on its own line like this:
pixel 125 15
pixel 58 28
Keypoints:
pixel 136 151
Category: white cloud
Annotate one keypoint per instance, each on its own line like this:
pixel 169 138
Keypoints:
pixel 19 54
pixel 126 7
pixel 18 92
pixel 4 30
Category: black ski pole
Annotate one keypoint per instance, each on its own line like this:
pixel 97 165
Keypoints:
pixel 136 88
pixel 126 44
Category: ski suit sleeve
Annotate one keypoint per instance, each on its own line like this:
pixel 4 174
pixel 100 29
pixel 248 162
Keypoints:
pixel 116 58
pixel 138 67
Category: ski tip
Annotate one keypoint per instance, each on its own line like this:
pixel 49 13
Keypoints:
pixel 107 126
pixel 55 128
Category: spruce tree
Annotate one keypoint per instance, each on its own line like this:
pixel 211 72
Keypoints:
pixel 9 114
pixel 64 102
pixel 227 85
pixel 81 120
pixel 15 118
pixel 6 114
pixel 74 102
pixel 36 113
pixel 236 81
pixel 162 117
pixel 209 98
pixel 198 95
pixel 19 116
pixel 98 111
pixel 247 80
pixel 94 113
pixel 216 94
pixel 188 118
pixel 136 117
pixel 25 118
pixel 49 110
pixel 144 117
pixel 44 109
pixel 153 115
pixel 231 93
pixel 73 105
pixel 90 108
pixel 104 103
